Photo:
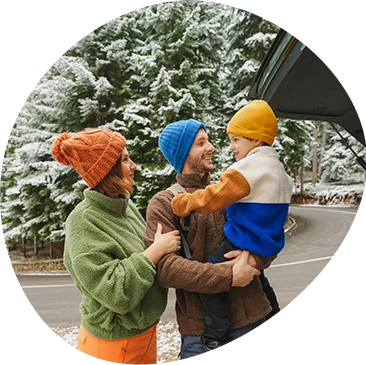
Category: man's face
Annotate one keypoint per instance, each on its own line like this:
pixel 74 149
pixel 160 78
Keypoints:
pixel 199 157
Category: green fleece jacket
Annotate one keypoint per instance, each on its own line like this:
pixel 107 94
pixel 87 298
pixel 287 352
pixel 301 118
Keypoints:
pixel 103 253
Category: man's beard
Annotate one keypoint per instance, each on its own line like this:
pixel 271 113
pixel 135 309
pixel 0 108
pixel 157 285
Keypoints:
pixel 197 165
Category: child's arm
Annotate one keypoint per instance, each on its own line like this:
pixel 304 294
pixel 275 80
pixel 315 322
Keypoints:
pixel 232 187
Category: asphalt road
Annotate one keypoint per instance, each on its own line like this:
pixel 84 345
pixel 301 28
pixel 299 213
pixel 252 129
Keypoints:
pixel 319 233
pixel 308 249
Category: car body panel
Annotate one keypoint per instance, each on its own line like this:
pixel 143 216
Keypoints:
pixel 298 85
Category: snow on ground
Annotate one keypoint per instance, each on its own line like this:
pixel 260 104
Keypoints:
pixel 322 189
pixel 168 341
pixel 331 195
pixel 167 332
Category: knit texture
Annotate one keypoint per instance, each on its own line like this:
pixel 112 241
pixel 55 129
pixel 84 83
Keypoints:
pixel 92 153
pixel 255 121
pixel 103 253
pixel 176 140
pixel 190 277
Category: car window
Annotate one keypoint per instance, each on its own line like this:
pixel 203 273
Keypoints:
pixel 276 59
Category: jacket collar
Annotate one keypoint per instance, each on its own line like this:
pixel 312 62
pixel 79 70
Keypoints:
pixel 116 206
pixel 263 150
pixel 194 180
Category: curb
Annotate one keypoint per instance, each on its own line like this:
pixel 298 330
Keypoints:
pixel 29 262
pixel 38 273
pixel 292 226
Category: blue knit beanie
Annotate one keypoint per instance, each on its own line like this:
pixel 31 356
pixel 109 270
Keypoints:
pixel 176 140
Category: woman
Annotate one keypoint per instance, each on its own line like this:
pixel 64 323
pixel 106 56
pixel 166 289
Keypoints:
pixel 105 252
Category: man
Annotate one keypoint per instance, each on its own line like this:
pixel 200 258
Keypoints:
pixel 186 146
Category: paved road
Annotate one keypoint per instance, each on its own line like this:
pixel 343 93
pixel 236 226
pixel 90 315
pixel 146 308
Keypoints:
pixel 309 247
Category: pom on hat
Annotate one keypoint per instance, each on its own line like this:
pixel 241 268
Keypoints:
pixel 56 149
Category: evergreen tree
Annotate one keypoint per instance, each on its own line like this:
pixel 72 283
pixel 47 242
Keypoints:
pixel 293 144
pixel 38 193
pixel 163 65
pixel 136 74
pixel 248 39
pixel 339 163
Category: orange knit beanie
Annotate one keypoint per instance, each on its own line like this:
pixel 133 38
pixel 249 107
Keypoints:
pixel 92 153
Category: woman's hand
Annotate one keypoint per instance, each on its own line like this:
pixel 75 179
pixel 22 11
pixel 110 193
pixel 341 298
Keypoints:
pixel 163 243
pixel 167 242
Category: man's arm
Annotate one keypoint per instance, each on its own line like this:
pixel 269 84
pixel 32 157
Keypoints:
pixel 263 262
pixel 259 263
pixel 232 187
pixel 174 271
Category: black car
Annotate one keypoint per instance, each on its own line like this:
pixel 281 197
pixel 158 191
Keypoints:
pixel 325 81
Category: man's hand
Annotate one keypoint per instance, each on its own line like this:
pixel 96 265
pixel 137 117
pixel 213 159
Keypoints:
pixel 243 272
pixel 234 257
pixel 252 262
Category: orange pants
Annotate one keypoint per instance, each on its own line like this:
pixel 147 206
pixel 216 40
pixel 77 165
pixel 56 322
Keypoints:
pixel 141 349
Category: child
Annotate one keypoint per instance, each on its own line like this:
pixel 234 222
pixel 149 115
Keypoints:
pixel 256 193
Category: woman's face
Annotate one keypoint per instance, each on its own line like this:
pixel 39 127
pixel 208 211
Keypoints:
pixel 128 167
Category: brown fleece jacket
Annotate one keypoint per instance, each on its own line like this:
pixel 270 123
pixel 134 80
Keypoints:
pixel 189 277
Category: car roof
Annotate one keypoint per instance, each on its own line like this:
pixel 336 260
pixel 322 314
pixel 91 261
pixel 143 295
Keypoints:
pixel 298 85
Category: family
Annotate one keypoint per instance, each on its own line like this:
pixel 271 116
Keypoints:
pixel 123 266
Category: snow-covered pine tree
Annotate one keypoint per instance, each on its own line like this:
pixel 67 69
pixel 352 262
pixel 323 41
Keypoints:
pixel 339 163
pixel 248 38
pixel 292 144
pixel 137 73
pixel 162 63
pixel 38 192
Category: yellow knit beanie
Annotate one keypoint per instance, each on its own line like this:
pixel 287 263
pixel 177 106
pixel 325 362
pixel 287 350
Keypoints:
pixel 255 121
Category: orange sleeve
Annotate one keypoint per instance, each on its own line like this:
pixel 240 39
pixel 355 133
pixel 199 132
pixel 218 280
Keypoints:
pixel 232 187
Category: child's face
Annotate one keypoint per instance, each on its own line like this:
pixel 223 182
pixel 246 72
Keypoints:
pixel 241 146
